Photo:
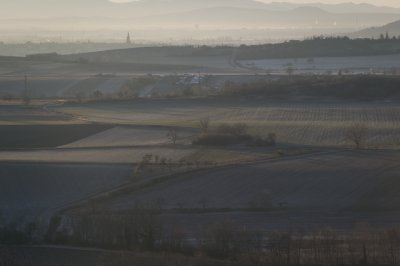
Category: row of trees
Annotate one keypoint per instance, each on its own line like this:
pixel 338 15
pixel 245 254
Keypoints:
pixel 357 134
pixel 360 87
pixel 144 230
pixel 320 47
pixel 225 134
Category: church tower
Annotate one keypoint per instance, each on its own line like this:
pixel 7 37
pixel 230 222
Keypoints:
pixel 128 39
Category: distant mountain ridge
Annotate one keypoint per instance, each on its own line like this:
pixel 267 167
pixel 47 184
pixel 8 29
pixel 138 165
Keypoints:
pixel 89 8
pixel 217 17
pixel 49 20
pixel 303 16
pixel 336 8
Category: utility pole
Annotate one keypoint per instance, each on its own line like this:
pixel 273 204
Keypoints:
pixel 25 96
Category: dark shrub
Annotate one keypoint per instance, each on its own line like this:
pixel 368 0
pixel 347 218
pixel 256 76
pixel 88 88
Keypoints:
pixel 220 139
pixel 239 129
pixel 269 141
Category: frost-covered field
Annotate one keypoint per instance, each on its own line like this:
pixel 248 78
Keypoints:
pixel 131 136
pixel 323 65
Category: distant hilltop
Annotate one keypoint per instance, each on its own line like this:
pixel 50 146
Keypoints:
pixel 104 8
pixel 392 29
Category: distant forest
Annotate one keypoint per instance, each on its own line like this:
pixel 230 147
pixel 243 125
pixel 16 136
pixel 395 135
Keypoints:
pixel 361 87
pixel 322 47
pixel 308 48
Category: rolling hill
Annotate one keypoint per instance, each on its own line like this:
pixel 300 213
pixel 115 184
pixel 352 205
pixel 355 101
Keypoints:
pixel 307 183
pixel 393 29
pixel 238 17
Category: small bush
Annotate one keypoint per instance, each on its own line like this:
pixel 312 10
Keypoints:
pixel 239 129
pixel 269 141
pixel 229 134
pixel 221 139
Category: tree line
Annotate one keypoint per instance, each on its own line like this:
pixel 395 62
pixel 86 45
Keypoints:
pixel 358 87
pixel 321 47
pixel 143 230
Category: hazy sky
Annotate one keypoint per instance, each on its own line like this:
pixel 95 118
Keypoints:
pixel 394 3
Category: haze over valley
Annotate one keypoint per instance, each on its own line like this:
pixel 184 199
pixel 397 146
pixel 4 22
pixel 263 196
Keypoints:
pixel 185 22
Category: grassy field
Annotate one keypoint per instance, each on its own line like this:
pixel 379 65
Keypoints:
pixel 323 65
pixel 123 136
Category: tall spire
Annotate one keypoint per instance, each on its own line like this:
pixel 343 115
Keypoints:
pixel 128 39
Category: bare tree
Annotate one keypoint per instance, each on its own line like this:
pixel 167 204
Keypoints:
pixel 204 125
pixel 290 70
pixel 357 134
pixel 172 135
pixel 261 200
pixel 143 165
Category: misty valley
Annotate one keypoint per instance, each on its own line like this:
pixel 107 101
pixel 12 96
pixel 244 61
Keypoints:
pixel 227 132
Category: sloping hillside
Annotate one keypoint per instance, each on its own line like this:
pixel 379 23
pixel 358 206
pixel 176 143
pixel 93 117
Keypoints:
pixel 338 181
pixel 392 29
